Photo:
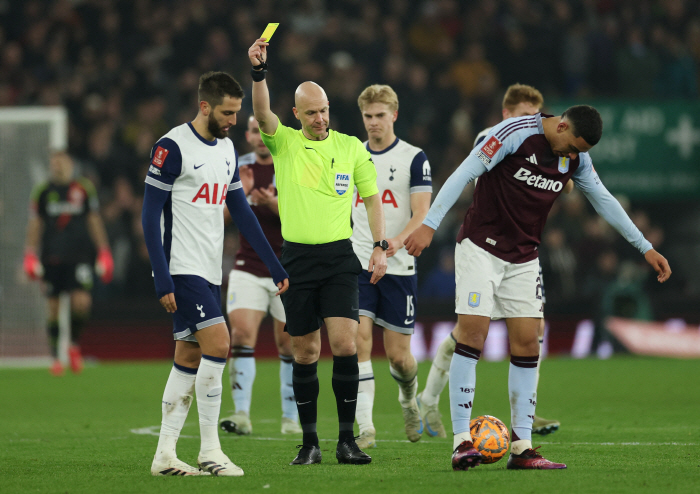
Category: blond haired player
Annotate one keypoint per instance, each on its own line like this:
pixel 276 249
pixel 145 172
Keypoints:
pixel 519 100
pixel 405 187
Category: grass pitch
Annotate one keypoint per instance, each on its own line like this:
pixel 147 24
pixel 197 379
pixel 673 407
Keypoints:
pixel 628 425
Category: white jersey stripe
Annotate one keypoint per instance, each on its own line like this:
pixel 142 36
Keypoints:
pixel 155 183
pixel 421 188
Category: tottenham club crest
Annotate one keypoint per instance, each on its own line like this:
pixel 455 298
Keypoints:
pixel 342 183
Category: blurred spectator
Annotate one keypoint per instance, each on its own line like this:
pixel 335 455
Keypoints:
pixel 113 65
pixel 558 266
pixel 439 282
pixel 637 65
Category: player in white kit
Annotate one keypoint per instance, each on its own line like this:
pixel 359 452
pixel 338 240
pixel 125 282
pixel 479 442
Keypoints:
pixel 405 186
pixel 193 173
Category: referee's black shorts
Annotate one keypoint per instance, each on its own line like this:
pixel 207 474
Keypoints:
pixel 322 283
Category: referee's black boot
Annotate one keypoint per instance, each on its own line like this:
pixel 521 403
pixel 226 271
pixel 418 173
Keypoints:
pixel 349 452
pixel 308 455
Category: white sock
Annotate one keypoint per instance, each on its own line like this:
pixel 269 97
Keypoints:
pixel 208 387
pixel 177 399
pixel 407 381
pixel 462 384
pixel 522 389
pixel 241 372
pixel 439 372
pixel 365 397
pixel 539 361
pixel 289 404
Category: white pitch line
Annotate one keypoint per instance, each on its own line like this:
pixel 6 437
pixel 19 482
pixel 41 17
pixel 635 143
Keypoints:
pixel 154 431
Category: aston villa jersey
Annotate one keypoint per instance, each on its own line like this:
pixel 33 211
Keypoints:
pixel 512 200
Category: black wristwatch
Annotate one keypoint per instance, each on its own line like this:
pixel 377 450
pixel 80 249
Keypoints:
pixel 382 243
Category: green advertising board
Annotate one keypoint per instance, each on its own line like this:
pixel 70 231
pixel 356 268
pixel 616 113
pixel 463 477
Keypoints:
pixel 649 150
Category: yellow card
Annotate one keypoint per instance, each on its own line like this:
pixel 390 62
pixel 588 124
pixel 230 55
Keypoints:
pixel 269 31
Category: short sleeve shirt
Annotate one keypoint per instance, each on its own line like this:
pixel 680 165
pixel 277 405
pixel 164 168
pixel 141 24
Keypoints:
pixel 402 170
pixel 315 182
pixel 198 174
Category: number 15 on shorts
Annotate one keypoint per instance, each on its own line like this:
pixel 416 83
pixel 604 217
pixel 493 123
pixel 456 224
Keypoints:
pixel 410 309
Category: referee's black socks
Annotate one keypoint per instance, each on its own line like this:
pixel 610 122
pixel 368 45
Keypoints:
pixel 345 382
pixel 305 383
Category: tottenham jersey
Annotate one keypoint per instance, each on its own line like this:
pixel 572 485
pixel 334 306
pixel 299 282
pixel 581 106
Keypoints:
pixel 402 169
pixel 198 173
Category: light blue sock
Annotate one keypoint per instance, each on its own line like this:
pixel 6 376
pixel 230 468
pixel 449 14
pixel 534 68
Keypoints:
pixel 241 371
pixel 462 383
pixel 289 405
pixel 522 389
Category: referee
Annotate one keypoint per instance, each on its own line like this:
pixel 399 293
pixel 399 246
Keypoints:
pixel 316 170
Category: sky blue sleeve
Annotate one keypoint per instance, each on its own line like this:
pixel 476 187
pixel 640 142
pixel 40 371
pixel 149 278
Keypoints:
pixel 470 169
pixel 480 160
pixel 605 204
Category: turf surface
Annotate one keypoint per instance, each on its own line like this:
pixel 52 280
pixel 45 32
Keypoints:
pixel 628 425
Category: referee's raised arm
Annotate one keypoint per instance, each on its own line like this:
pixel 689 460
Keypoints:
pixel 261 96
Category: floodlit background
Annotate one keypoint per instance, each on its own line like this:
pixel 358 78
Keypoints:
pixel 122 73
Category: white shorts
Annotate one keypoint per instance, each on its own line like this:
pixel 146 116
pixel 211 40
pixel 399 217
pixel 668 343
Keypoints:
pixel 247 291
pixel 488 286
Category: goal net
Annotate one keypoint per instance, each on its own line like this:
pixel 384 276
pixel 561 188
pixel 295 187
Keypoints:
pixel 27 137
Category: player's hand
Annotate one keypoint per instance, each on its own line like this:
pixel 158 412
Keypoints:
pixel 419 240
pixel 660 265
pixel 257 54
pixel 263 197
pixel 247 178
pixel 32 265
pixel 168 302
pixel 377 265
pixel 283 286
pixel 104 265
pixel 395 245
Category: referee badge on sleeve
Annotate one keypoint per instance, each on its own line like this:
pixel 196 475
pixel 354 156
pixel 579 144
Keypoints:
pixel 342 183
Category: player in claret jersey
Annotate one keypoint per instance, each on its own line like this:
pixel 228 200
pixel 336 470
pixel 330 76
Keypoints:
pixel 523 165
pixel 520 100
pixel 193 174
pixel 405 186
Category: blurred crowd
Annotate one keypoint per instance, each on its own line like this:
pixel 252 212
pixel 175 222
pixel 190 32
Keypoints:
pixel 127 71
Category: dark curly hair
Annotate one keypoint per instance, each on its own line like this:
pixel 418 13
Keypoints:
pixel 214 86
pixel 586 122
